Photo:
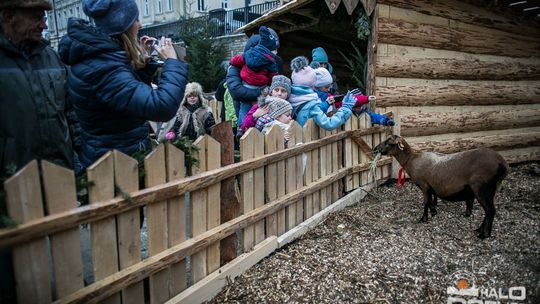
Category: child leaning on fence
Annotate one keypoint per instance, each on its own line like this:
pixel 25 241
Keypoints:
pixel 279 113
pixel 306 103
pixel 280 87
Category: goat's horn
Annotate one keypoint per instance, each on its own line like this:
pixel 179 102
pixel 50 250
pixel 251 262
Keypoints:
pixel 400 145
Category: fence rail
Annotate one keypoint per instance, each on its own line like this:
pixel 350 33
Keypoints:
pixel 278 188
pixel 220 22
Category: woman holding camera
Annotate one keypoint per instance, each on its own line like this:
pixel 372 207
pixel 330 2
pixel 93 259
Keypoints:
pixel 109 83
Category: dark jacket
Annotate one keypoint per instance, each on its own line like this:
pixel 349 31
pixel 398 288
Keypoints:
pixel 238 91
pixel 33 123
pixel 112 100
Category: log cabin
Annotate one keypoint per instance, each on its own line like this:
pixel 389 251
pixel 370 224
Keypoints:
pixel 456 74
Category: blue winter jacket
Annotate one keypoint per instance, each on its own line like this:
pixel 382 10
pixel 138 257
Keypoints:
pixel 312 109
pixel 112 100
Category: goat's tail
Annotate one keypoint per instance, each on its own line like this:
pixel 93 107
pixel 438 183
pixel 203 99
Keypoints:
pixel 502 172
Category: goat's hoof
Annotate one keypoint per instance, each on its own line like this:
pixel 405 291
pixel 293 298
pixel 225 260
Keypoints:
pixel 467 214
pixel 483 236
pixel 479 229
pixel 433 212
pixel 423 219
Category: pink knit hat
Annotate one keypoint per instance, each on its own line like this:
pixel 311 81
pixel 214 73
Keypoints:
pixel 302 73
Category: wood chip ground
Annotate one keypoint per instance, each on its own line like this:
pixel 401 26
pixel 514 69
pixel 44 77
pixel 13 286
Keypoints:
pixel 376 252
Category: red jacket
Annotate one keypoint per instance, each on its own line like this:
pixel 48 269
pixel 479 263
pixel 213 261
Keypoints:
pixel 251 77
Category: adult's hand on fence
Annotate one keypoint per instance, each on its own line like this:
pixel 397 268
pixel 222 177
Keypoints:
pixel 165 49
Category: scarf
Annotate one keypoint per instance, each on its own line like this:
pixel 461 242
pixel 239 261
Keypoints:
pixel 301 95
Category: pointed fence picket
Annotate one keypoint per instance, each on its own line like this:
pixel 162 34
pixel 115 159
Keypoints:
pixel 103 232
pixel 176 218
pixel 280 187
pixel 30 260
pixel 60 195
pixel 205 208
pixel 126 179
pixel 309 200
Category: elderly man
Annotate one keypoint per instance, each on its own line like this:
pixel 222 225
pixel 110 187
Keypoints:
pixel 33 123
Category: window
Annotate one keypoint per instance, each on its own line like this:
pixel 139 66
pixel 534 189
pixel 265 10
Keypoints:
pixel 200 5
pixel 159 8
pixel 78 12
pixel 71 12
pixel 146 8
pixel 169 5
pixel 65 19
pixel 224 3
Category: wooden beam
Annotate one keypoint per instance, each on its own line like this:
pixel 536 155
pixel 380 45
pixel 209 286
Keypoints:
pixel 363 146
pixel 423 124
pixel 496 142
pixel 207 288
pixel 449 68
pixel 105 209
pixel 492 42
pixel 476 93
pixel 466 13
pixel 102 289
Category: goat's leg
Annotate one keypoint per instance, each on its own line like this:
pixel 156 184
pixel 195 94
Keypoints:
pixel 427 203
pixel 433 205
pixel 469 204
pixel 486 198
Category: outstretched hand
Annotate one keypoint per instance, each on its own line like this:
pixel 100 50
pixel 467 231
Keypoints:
pixel 349 101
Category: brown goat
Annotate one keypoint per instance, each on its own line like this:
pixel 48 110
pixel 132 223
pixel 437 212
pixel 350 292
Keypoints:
pixel 461 176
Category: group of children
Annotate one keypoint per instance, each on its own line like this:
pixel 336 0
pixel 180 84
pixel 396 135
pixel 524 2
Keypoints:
pixel 310 93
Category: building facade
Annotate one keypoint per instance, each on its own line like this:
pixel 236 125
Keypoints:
pixel 151 12
pixel 57 18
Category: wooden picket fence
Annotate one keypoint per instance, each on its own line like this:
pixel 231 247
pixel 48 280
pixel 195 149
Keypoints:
pixel 278 189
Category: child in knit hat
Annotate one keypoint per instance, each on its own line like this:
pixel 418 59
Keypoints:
pixel 305 101
pixel 280 87
pixel 280 113
pixel 320 59
pixel 258 64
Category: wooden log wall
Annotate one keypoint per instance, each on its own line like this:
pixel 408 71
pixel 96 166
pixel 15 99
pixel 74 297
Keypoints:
pixel 457 76
pixel 281 186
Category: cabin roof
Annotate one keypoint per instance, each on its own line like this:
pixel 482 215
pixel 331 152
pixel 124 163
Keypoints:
pixel 293 15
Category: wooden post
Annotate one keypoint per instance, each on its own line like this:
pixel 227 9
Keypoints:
pixel 30 260
pixel 230 204
pixel 324 160
pixel 335 165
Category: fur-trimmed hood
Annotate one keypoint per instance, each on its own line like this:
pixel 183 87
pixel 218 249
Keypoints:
pixel 194 88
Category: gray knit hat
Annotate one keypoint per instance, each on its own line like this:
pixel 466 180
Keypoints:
pixel 113 17
pixel 43 4
pixel 278 106
pixel 281 81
